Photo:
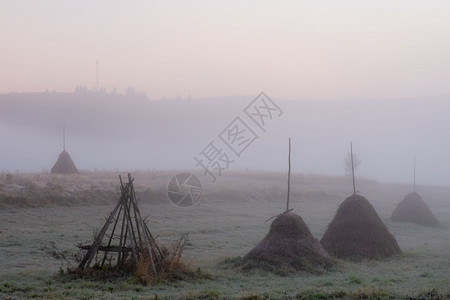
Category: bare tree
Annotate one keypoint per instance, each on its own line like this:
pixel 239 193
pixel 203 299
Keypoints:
pixel 348 163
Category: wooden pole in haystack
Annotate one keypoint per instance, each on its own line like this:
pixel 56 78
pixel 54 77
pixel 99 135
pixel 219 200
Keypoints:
pixel 414 174
pixel 353 168
pixel 289 176
pixel 64 136
pixel 288 185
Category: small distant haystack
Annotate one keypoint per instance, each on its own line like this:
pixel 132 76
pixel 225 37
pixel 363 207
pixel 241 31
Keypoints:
pixel 358 232
pixel 413 209
pixel 64 164
pixel 291 243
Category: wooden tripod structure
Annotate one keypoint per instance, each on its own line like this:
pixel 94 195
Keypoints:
pixel 128 241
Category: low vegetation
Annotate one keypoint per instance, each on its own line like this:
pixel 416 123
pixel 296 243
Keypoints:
pixel 227 223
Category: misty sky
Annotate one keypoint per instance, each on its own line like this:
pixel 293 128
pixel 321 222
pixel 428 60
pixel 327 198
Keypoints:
pixel 290 49
pixel 375 73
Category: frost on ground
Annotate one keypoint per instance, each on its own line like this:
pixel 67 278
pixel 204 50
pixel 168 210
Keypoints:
pixel 227 223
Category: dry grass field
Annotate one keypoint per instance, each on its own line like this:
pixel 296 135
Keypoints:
pixel 36 209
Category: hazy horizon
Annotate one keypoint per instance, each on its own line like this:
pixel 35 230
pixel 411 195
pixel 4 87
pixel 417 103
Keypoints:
pixel 169 49
pixel 375 73
pixel 111 131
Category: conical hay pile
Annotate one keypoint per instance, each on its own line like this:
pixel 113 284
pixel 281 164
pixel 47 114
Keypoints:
pixel 413 209
pixel 358 232
pixel 64 164
pixel 290 242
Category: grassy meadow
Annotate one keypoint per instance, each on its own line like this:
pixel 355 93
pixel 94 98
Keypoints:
pixel 229 220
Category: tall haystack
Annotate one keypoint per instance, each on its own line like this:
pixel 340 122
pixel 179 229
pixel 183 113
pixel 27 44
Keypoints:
pixel 64 164
pixel 412 209
pixel 358 232
pixel 290 242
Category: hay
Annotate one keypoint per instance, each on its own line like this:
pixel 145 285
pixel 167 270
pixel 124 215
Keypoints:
pixel 64 165
pixel 413 209
pixel 290 242
pixel 171 268
pixel 357 232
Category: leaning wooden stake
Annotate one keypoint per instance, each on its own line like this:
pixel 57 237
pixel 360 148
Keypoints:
pixel 105 255
pixel 353 168
pixel 93 249
pixel 289 176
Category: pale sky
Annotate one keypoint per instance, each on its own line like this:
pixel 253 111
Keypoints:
pixel 289 49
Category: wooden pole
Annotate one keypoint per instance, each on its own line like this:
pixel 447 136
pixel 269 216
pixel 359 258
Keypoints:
pixel 353 168
pixel 130 222
pixel 112 235
pixel 414 174
pixel 125 195
pixel 93 249
pixel 289 176
pixel 64 135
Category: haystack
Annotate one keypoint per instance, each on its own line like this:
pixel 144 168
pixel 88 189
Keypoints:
pixel 64 164
pixel 358 232
pixel 291 243
pixel 413 209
